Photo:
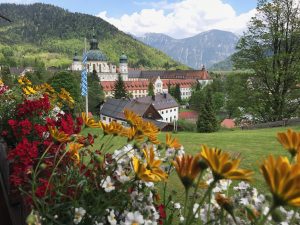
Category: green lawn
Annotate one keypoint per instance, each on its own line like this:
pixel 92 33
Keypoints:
pixel 253 145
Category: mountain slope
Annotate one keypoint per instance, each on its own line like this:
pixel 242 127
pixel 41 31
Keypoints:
pixel 52 34
pixel 206 48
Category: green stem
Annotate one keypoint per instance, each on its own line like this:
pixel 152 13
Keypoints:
pixel 207 193
pixel 222 216
pixel 166 183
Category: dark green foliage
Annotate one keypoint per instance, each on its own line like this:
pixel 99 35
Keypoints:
pixel 37 77
pixel 197 99
pixel 150 89
pixel 6 77
pixel 207 121
pixel 119 89
pixel 68 81
pixel 177 93
pixel 271 49
pixel 95 93
pixel 54 34
pixel 185 125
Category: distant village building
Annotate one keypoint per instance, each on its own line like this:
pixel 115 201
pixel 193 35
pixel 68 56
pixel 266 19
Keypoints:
pixel 113 110
pixel 20 71
pixel 165 104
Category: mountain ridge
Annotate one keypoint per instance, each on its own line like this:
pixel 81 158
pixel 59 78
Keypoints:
pixel 53 34
pixel 206 48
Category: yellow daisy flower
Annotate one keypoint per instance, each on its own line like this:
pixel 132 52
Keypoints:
pixel 59 135
pixel 290 141
pixel 187 168
pixel 283 179
pixel 223 166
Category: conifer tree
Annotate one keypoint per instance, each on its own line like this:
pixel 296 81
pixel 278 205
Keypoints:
pixel 95 92
pixel 207 121
pixel 119 89
pixel 150 89
pixel 177 93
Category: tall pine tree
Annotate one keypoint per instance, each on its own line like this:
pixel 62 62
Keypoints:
pixel 207 121
pixel 150 89
pixel 177 93
pixel 95 92
pixel 119 89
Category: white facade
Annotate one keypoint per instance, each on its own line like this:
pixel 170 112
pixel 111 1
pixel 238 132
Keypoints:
pixel 123 68
pixel 158 86
pixel 169 114
pixel 76 66
pixel 186 92
pixel 106 119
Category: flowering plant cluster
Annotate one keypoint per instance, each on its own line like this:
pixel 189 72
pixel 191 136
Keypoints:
pixel 66 178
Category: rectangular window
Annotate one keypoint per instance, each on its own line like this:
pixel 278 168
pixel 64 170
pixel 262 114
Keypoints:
pixel 104 118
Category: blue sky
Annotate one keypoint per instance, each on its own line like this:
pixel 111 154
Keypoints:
pixel 117 8
pixel 177 18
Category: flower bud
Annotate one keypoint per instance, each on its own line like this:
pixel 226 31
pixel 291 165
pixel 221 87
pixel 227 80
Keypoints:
pixel 202 164
pixel 43 166
pixel 277 216
pixel 31 219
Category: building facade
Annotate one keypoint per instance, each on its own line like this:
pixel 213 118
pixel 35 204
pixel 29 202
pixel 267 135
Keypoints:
pixel 137 81
pixel 98 62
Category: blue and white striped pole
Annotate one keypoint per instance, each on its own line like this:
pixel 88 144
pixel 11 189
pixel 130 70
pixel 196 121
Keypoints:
pixel 84 83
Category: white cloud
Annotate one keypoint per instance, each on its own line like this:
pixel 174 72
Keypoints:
pixel 181 19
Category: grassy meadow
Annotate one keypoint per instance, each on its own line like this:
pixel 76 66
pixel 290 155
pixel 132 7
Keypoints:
pixel 253 146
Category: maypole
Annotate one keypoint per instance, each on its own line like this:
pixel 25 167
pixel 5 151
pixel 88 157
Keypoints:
pixel 84 83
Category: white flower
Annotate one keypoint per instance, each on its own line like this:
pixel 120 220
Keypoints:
pixel 149 222
pixel 121 175
pixel 79 214
pixel 96 223
pixel 181 218
pixel 177 205
pixel 195 209
pixel 244 201
pixel 181 151
pixel 242 186
pixel 284 223
pixel 108 185
pixel 134 218
pixel 149 184
pixel 112 218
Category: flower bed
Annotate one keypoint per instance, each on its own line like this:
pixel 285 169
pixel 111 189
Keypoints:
pixel 64 180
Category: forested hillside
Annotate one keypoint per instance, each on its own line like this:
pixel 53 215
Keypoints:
pixel 47 34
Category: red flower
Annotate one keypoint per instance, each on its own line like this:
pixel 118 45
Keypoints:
pixel 162 213
pixel 41 189
pixel 25 127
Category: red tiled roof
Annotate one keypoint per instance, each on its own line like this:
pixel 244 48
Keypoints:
pixel 129 85
pixel 188 115
pixel 171 74
pixel 228 123
pixel 182 83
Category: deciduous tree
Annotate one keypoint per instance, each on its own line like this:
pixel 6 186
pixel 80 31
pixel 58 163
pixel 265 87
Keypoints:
pixel 271 49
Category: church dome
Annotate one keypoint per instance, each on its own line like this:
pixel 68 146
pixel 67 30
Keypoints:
pixel 96 55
